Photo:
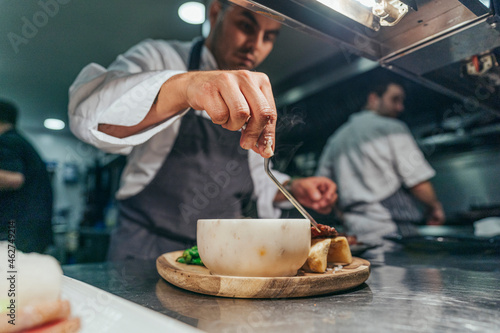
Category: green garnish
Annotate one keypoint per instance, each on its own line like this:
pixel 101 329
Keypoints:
pixel 190 257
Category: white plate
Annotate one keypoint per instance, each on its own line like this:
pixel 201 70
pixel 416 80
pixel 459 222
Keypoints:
pixel 100 311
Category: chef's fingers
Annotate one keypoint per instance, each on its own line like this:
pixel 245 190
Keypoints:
pixel 235 98
pixel 333 200
pixel 318 193
pixel 329 195
pixel 328 188
pixel 261 125
pixel 265 144
pixel 214 104
pixel 314 192
pixel 267 139
pixel 219 94
pixel 324 210
pixel 236 102
pixel 306 191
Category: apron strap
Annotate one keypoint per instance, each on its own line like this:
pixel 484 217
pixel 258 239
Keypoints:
pixel 195 55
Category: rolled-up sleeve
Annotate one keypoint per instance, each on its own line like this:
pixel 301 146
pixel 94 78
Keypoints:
pixel 122 95
pixel 410 162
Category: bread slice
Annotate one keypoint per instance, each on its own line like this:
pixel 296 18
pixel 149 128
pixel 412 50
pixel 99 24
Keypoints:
pixel 339 252
pixel 317 259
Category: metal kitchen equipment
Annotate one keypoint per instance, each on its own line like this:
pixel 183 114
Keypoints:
pixel 451 46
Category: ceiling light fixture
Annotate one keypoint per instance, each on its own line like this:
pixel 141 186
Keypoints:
pixel 54 124
pixel 367 3
pixel 370 13
pixel 192 12
pixel 486 3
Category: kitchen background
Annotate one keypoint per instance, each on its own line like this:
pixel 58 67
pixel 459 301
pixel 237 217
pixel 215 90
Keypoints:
pixel 318 83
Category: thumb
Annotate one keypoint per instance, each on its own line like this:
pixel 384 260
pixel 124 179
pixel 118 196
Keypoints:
pixel 312 191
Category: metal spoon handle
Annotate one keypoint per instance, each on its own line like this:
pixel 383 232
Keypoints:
pixel 289 196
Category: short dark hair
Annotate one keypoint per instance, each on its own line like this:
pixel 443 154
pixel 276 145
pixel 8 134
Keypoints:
pixel 380 87
pixel 225 4
pixel 8 112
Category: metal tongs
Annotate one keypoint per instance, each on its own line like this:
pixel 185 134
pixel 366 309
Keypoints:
pixel 289 196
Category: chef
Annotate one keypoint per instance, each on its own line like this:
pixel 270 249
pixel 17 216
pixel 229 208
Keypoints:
pixel 379 168
pixel 183 163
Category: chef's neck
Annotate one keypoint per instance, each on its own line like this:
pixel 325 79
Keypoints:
pixel 373 104
pixel 4 127
pixel 376 112
pixel 372 108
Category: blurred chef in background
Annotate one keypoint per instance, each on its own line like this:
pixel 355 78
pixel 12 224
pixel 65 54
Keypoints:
pixel 379 169
pixel 25 189
pixel 186 164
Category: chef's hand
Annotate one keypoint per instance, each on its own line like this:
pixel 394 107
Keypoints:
pixel 435 215
pixel 233 99
pixel 318 193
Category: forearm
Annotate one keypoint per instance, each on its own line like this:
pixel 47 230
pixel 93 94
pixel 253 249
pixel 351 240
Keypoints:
pixel 424 192
pixel 10 180
pixel 171 99
pixel 121 95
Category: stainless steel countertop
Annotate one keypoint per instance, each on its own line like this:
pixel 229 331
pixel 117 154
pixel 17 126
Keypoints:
pixel 407 291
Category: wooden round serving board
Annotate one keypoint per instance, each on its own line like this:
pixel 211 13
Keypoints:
pixel 198 279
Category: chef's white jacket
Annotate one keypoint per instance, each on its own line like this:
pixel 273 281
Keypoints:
pixel 123 93
pixel 370 158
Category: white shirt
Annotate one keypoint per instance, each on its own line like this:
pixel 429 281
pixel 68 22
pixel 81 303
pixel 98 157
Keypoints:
pixel 371 157
pixel 123 93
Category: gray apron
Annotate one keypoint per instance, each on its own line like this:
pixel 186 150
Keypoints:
pixel 403 212
pixel 402 207
pixel 206 175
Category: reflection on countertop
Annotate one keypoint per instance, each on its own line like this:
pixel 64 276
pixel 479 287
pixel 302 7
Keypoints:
pixel 407 291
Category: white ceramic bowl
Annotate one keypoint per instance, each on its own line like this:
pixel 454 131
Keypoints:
pixel 254 247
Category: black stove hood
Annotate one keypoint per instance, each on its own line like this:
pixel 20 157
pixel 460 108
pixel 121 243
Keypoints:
pixel 450 46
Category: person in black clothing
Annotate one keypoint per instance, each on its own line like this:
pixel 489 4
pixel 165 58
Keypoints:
pixel 25 188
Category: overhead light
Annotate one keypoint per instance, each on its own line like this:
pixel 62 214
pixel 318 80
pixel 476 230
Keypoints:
pixel 370 13
pixel 54 124
pixel 486 3
pixel 367 3
pixel 192 12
